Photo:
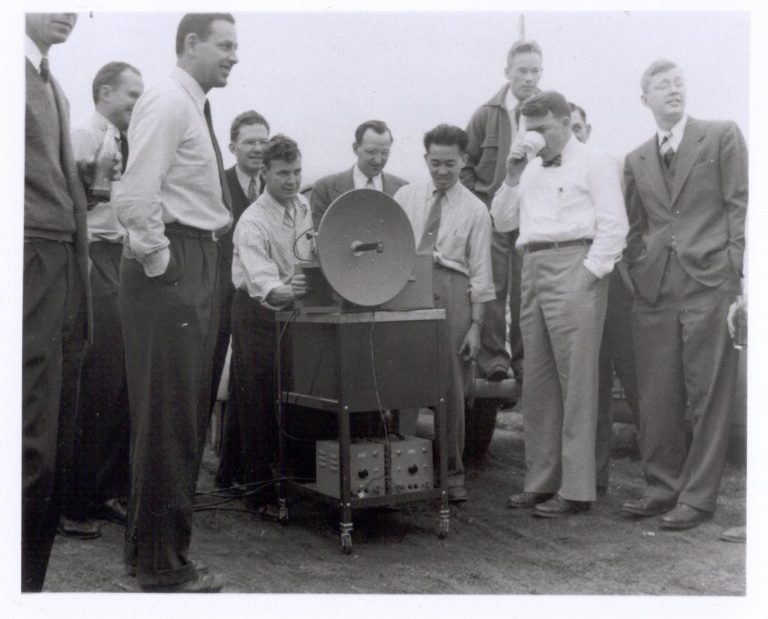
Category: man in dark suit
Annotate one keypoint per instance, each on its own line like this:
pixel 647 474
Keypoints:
pixel 373 141
pixel 249 136
pixel 56 298
pixel 686 191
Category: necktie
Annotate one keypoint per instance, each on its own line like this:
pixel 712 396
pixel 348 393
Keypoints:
pixel 370 184
pixel 252 191
pixel 429 236
pixel 555 161
pixel 124 149
pixel 222 180
pixel 45 71
pixel 667 150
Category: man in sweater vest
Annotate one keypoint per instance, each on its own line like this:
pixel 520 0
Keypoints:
pixel 55 304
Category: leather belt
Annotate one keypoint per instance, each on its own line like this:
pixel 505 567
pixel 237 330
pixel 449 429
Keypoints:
pixel 184 230
pixel 540 246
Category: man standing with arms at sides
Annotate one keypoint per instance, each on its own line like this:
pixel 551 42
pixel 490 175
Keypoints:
pixel 270 235
pixel 249 136
pixel 98 485
pixel 493 128
pixel 686 192
pixel 174 203
pixel 373 141
pixel 616 352
pixel 55 294
pixel 568 206
pixel 454 226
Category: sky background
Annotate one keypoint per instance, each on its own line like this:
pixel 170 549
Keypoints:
pixel 316 76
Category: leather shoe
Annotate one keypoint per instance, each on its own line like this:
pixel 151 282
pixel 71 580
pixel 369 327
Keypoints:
pixel 200 567
pixel 203 582
pixel 557 506
pixel 457 494
pixel 737 535
pixel 684 517
pixel 79 529
pixel 497 374
pixel 113 510
pixel 646 506
pixel 523 500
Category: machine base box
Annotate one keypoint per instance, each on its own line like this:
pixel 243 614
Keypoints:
pixel 367 473
pixel 409 465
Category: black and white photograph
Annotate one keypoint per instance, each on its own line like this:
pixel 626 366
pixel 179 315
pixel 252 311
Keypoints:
pixel 411 308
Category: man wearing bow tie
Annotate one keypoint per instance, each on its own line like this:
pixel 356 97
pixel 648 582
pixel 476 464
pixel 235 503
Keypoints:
pixel 686 193
pixel 568 206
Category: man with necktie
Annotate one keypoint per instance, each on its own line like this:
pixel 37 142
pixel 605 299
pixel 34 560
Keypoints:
pixel 454 227
pixel 686 193
pixel 174 203
pixel 249 136
pixel 98 484
pixel 373 142
pixel 568 207
pixel 56 295
pixel 493 128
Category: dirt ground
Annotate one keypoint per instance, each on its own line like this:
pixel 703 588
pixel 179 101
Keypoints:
pixel 490 549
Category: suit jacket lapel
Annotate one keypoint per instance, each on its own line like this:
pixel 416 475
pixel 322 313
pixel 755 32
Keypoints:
pixel 686 156
pixel 347 182
pixel 652 169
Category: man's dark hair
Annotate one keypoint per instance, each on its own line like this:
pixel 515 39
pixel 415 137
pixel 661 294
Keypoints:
pixel 446 135
pixel 199 24
pixel 250 117
pixel 544 102
pixel 377 126
pixel 109 75
pixel 580 110
pixel 281 147
pixel 523 47
pixel 657 66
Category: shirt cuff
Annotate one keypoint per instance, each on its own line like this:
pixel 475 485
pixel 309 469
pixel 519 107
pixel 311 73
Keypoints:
pixel 598 268
pixel 156 263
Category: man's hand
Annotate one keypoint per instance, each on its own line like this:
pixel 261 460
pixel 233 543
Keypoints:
pixel 85 168
pixel 471 344
pixel 285 294
pixel 298 285
pixel 117 167
pixel 516 162
pixel 736 312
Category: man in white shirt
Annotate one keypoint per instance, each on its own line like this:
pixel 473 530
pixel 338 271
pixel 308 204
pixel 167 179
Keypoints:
pixel 173 202
pixel 453 225
pixel 270 235
pixel 373 142
pixel 568 205
pixel 98 482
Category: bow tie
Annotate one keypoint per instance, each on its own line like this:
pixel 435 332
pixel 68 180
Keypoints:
pixel 555 161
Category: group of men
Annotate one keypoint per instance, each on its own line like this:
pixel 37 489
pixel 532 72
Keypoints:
pixel 519 215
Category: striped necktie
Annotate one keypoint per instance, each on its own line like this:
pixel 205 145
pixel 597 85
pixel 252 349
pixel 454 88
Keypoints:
pixel 429 236
pixel 252 191
pixel 667 150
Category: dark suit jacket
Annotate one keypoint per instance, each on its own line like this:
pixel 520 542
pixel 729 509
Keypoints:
pixel 328 188
pixel 703 214
pixel 74 184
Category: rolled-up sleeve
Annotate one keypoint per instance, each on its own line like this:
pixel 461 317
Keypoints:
pixel 257 272
pixel 611 226
pixel 155 132
pixel 505 208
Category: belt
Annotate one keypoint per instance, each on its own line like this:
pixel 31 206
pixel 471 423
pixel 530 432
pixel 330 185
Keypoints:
pixel 184 230
pixel 539 246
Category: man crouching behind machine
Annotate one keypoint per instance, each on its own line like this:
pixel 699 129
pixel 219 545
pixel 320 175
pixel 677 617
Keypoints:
pixel 268 233
pixel 454 226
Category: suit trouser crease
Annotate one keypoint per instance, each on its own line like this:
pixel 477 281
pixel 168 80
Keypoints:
pixel 51 355
pixel 686 369
pixel 169 330
pixel 452 294
pixel 562 315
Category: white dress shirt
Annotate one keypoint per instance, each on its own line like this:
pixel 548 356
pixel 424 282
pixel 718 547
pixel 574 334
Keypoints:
pixel 581 198
pixel 464 237
pixel 360 180
pixel 264 241
pixel 245 181
pixel 172 175
pixel 86 142
pixel 677 133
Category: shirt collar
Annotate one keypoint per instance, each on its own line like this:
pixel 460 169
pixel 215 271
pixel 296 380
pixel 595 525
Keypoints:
pixel 245 179
pixel 677 132
pixel 297 209
pixel 32 52
pixel 102 122
pixel 190 84
pixel 360 179
pixel 451 194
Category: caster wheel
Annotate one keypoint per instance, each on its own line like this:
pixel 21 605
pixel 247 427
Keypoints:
pixel 346 543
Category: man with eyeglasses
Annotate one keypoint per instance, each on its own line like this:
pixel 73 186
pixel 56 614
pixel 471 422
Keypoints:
pixel 373 142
